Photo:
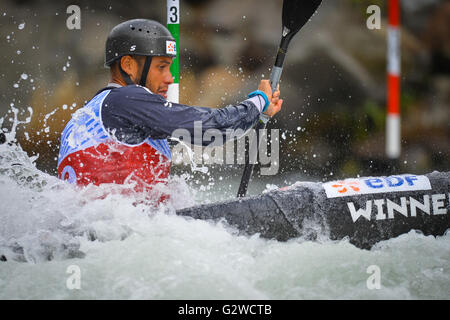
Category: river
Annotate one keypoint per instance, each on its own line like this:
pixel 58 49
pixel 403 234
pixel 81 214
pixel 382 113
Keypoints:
pixel 48 227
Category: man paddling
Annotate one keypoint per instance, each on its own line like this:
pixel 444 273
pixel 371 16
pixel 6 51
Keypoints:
pixel 120 135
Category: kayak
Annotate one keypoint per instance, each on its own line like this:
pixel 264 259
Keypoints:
pixel 364 210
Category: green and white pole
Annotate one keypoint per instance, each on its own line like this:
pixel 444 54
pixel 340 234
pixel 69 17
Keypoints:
pixel 173 24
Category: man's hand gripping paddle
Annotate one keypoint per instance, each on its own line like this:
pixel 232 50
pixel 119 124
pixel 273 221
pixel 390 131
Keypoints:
pixel 295 15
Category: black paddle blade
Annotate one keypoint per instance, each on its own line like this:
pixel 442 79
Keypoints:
pixel 296 13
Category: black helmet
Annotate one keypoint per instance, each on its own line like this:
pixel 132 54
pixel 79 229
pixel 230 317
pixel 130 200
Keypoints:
pixel 142 37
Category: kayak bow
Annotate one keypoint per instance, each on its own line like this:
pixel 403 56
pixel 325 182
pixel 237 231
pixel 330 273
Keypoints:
pixel 366 210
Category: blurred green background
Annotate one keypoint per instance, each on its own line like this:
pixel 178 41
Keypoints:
pixel 334 81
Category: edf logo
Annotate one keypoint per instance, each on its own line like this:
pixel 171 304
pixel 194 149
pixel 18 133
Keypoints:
pixel 344 186
pixel 390 182
pixel 171 47
pixel 351 187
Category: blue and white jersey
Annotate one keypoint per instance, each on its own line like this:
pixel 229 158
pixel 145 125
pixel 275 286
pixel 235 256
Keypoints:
pixel 86 129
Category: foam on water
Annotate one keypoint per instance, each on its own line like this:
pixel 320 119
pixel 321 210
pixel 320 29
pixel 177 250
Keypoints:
pixel 146 252
pixel 42 216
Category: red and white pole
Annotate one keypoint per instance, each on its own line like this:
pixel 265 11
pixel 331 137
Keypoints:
pixel 393 126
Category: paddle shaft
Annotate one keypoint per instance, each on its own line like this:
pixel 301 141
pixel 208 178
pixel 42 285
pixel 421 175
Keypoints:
pixel 295 15
pixel 252 156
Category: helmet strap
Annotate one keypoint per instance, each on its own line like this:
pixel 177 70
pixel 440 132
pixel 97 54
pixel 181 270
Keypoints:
pixel 126 77
pixel 148 61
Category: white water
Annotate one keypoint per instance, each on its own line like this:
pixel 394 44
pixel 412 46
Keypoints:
pixel 145 253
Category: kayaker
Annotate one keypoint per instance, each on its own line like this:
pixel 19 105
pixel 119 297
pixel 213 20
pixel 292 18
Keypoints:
pixel 121 134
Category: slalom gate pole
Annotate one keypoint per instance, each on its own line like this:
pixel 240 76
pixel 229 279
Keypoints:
pixel 393 123
pixel 173 24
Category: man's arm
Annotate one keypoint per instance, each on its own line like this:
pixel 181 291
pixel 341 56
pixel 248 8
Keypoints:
pixel 133 114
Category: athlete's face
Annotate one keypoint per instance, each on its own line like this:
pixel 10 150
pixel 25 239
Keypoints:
pixel 159 76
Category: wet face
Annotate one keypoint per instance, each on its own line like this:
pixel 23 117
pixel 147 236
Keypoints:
pixel 159 76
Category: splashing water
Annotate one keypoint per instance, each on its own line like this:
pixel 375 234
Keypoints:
pixel 43 217
pixel 190 154
pixel 126 248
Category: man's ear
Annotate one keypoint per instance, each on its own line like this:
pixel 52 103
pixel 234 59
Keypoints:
pixel 127 64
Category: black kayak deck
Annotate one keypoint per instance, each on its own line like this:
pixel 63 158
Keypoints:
pixel 366 210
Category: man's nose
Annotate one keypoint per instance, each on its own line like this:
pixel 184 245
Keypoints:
pixel 169 78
